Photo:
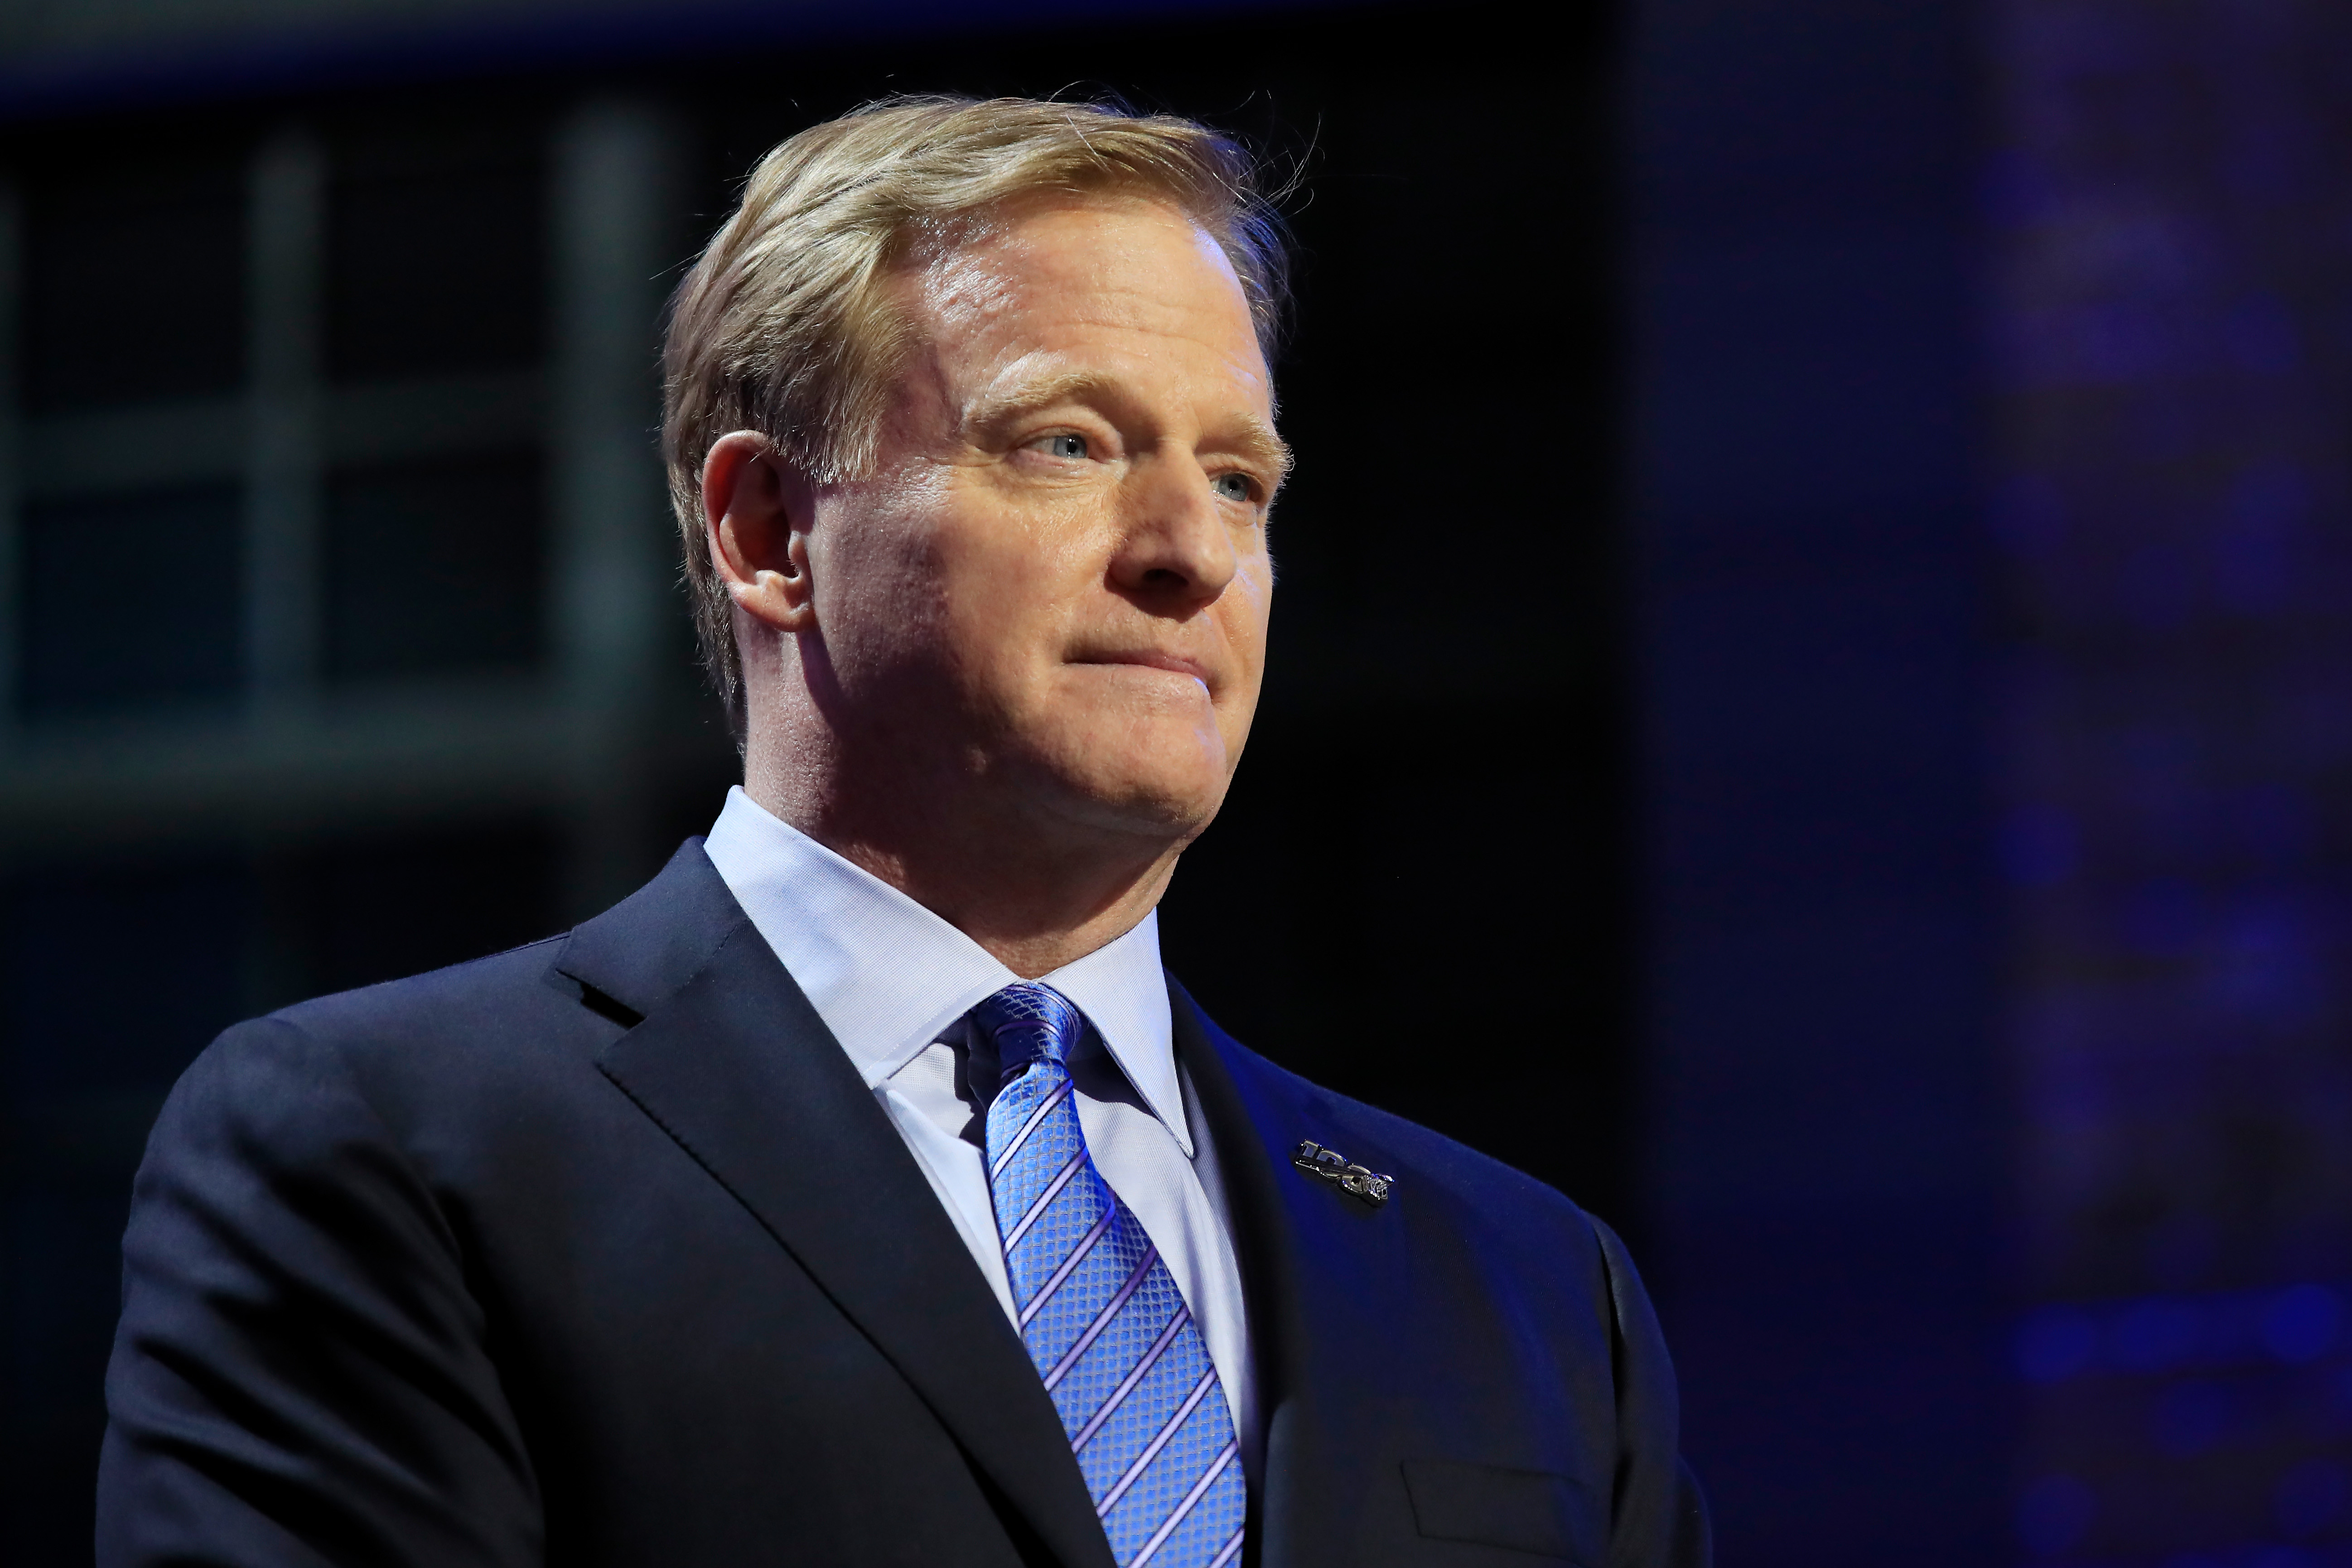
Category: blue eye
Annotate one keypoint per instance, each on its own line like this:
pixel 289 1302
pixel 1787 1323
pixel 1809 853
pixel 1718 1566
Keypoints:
pixel 1065 446
pixel 1231 487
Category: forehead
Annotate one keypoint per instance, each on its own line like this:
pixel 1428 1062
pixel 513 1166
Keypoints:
pixel 1131 279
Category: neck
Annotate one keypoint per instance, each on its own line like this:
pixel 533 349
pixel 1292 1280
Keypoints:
pixel 1036 895
pixel 1031 924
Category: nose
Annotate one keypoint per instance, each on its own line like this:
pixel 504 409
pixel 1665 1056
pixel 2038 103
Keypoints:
pixel 1177 555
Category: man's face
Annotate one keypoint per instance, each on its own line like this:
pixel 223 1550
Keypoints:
pixel 1055 587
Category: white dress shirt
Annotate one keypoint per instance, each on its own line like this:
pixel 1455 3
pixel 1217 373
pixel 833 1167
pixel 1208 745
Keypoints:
pixel 894 982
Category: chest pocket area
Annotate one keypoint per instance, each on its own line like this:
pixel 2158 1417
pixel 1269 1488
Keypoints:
pixel 1534 1511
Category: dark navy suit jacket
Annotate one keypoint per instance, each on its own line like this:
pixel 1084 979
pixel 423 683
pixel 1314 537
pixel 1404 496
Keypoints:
pixel 599 1252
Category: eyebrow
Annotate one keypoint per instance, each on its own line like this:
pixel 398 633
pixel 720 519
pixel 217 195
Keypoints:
pixel 1255 441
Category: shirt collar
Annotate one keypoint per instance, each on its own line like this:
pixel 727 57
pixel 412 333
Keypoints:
pixel 888 976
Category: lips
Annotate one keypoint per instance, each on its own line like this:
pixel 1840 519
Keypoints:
pixel 1151 658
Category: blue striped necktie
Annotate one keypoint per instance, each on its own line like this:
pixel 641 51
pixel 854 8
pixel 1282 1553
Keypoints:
pixel 1100 1313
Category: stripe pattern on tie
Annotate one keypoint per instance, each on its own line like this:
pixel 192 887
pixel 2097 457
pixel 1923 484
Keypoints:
pixel 1099 1312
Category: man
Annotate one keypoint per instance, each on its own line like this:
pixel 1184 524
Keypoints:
pixel 860 1191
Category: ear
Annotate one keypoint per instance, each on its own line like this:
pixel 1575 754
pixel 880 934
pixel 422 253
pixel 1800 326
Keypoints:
pixel 756 507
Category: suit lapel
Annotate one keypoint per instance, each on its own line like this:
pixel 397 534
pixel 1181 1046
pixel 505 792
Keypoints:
pixel 730 1059
pixel 1309 1268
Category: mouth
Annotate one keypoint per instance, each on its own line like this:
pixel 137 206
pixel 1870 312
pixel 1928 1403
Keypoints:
pixel 1149 659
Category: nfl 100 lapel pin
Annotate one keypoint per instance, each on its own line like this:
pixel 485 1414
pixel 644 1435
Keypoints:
pixel 1333 1167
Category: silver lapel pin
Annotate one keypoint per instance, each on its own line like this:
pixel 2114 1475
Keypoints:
pixel 1332 1166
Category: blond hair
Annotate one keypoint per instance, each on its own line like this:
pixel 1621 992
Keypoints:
pixel 783 326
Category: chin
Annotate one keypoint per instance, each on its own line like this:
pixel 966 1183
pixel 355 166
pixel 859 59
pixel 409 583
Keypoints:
pixel 1157 809
pixel 1156 796
pixel 1149 771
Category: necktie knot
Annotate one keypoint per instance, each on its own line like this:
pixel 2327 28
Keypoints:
pixel 1029 1023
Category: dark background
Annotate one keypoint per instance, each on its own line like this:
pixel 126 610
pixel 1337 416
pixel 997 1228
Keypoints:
pixel 1811 641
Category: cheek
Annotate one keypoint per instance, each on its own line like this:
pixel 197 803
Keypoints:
pixel 1013 574
pixel 953 590
pixel 1249 603
pixel 882 593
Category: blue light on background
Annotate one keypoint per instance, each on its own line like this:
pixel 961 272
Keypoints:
pixel 2169 219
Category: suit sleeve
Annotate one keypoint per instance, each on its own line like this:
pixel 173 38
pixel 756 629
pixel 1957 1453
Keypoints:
pixel 299 1374
pixel 1658 1517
